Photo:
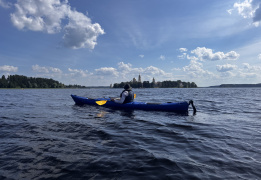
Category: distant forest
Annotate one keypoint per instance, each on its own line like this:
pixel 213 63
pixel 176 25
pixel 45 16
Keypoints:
pixel 19 81
pixel 237 85
pixel 163 84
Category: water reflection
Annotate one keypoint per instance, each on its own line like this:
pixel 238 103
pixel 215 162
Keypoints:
pixel 131 113
pixel 101 114
pixel 128 113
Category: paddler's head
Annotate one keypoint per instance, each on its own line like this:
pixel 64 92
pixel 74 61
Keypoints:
pixel 127 87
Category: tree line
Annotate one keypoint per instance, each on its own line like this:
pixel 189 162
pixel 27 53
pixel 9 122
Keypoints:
pixel 239 85
pixel 163 84
pixel 19 81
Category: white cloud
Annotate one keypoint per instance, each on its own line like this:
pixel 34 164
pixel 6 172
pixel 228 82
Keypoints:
pixel 247 75
pixel 193 66
pixel 230 11
pixel 7 68
pixel 107 71
pixel 142 56
pixel 245 9
pixel 183 56
pixel 194 58
pixel 207 54
pixel 249 9
pixel 227 75
pixel 39 15
pixel 78 72
pixel 195 70
pixel 202 66
pixel 176 69
pixel 251 68
pixel 225 67
pixel 232 55
pixel 37 68
pixel 47 16
pixel 55 70
pixel 151 70
pixel 162 57
pixel 127 71
pixel 259 56
pixel 80 32
pixel 46 70
pixel 183 49
pixel 125 67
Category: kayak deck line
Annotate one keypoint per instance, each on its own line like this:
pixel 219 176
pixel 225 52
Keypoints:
pixel 180 107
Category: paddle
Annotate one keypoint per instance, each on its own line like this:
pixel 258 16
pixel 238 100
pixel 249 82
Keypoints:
pixel 102 102
pixel 194 108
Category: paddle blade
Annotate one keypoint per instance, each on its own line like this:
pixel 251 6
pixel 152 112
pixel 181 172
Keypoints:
pixel 102 102
pixel 134 96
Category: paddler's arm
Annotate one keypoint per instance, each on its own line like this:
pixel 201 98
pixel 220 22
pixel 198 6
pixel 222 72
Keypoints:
pixel 122 99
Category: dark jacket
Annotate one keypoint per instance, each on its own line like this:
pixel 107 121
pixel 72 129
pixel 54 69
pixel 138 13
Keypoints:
pixel 129 98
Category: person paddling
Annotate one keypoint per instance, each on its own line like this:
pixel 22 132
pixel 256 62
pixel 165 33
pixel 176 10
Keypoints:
pixel 126 96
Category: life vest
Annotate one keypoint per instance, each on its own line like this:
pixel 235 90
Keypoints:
pixel 129 98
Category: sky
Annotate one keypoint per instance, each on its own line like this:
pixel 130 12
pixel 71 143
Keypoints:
pixel 101 42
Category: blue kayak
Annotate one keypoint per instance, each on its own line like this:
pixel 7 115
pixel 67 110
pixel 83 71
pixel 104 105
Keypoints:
pixel 181 107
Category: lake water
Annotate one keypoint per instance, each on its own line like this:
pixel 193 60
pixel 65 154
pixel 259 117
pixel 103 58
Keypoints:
pixel 43 135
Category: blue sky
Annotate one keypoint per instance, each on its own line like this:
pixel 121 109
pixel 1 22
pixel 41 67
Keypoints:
pixel 100 42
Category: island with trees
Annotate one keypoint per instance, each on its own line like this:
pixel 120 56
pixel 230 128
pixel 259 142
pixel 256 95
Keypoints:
pixel 164 84
pixel 19 81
